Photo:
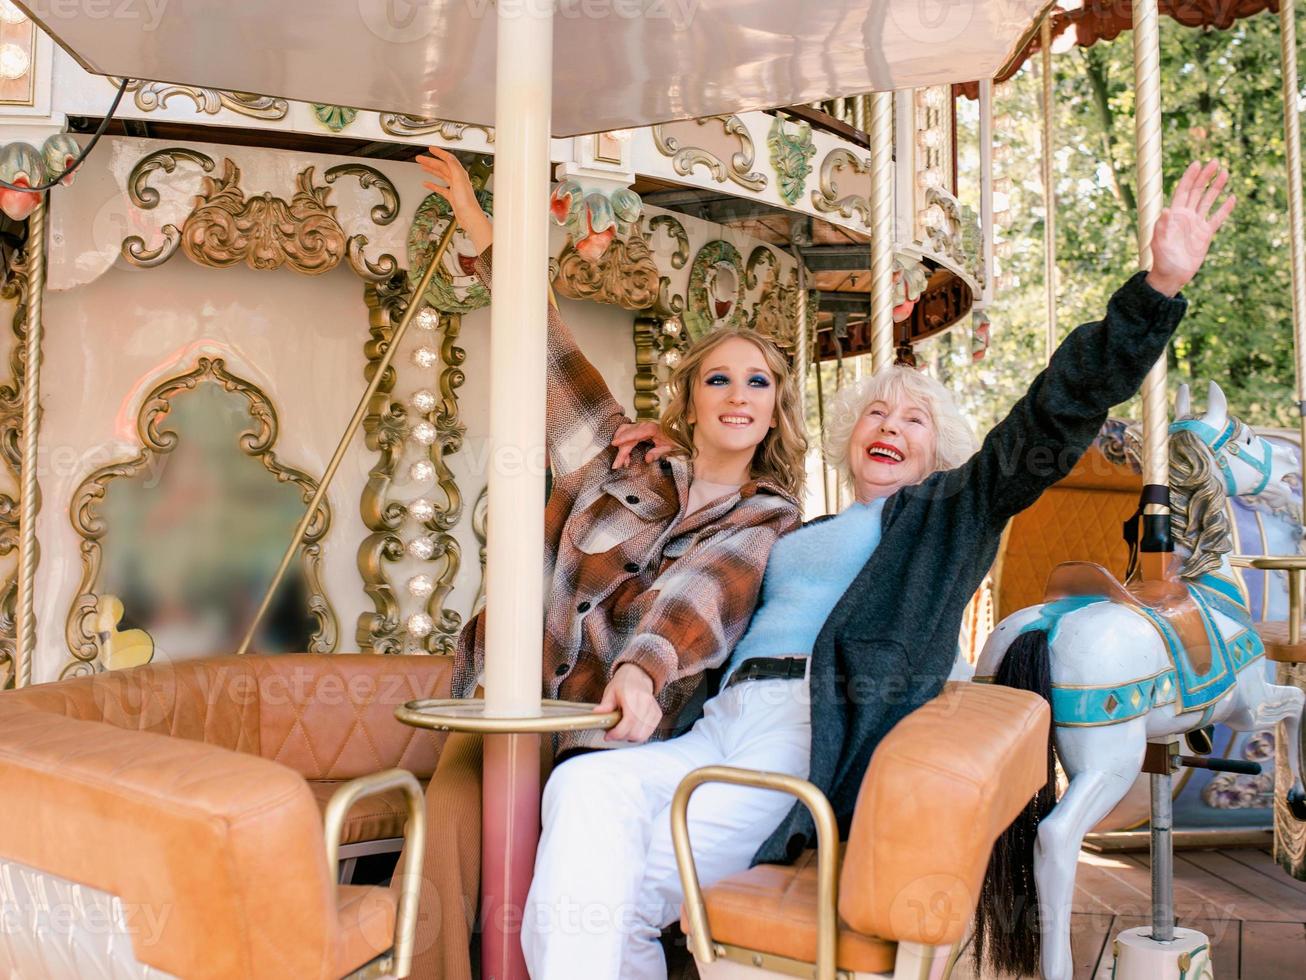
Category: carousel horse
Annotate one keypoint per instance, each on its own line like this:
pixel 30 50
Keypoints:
pixel 1121 665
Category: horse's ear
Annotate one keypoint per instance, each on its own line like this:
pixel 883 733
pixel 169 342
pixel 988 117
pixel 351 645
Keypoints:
pixel 1183 402
pixel 1217 408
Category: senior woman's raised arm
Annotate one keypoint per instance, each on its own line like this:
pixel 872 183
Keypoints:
pixel 1099 364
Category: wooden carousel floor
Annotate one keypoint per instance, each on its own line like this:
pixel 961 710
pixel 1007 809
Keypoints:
pixel 1254 912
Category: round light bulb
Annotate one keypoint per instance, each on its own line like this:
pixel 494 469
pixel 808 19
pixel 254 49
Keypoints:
pixel 423 401
pixel 931 138
pixel 930 178
pixel 427 318
pixel 419 625
pixel 423 471
pixel 14 62
pixel 426 357
pixel 671 327
pixel 935 97
pixel 420 586
pixel 10 14
pixel 421 548
pixel 671 358
pixel 424 433
pixel 421 510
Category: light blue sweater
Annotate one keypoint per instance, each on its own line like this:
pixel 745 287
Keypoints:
pixel 806 574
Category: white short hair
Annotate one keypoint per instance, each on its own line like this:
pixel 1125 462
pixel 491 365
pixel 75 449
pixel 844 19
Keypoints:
pixel 954 440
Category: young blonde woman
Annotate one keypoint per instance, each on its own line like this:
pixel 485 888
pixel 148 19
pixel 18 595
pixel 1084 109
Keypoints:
pixel 653 571
pixel 868 602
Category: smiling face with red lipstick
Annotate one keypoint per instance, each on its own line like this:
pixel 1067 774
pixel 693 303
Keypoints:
pixel 892 446
pixel 893 431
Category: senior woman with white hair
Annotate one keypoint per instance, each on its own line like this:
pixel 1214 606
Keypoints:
pixel 870 600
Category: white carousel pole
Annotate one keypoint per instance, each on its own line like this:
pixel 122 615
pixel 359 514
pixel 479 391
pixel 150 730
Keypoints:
pixel 1049 191
pixel 1290 836
pixel 1292 140
pixel 29 499
pixel 515 541
pixel 881 230
pixel 986 187
pixel 1151 199
pixel 1157 950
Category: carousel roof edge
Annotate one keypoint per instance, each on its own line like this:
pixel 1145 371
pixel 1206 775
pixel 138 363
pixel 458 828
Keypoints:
pixel 611 72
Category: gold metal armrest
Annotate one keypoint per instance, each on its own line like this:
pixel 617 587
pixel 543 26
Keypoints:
pixel 414 844
pixel 827 857
pixel 1295 566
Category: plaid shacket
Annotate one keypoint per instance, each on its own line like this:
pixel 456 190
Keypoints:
pixel 629 576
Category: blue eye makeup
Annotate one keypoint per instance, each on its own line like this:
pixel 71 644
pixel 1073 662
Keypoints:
pixel 716 379
pixel 760 381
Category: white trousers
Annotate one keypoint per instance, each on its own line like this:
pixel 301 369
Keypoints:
pixel 605 880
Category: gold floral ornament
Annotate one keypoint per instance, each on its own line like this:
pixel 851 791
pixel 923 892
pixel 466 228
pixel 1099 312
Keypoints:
pixel 775 315
pixel 716 290
pixel 606 258
pixel 264 232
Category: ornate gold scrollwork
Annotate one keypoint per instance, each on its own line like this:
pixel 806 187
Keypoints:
pixel 156 95
pixel 480 528
pixel 669 305
pixel 146 197
pixel 405 124
pixel 386 425
pixel 685 158
pixel 775 314
pixel 11 423
pixel 264 232
pixel 826 199
pixel 625 275
pixel 647 351
pixel 84 510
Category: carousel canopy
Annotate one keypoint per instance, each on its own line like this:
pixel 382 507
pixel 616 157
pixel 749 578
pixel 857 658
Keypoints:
pixel 617 63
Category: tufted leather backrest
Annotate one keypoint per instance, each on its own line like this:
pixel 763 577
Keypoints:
pixel 941 787
pixel 1077 519
pixel 326 716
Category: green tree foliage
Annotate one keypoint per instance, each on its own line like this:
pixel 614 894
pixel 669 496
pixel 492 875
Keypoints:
pixel 1221 99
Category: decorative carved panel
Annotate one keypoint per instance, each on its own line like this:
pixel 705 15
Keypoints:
pixel 88 509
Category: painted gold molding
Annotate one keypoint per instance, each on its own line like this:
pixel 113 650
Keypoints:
pixel 826 198
pixel 11 424
pixel 150 96
pixel 225 228
pixel 648 405
pixel 669 304
pixel 775 314
pixel 685 158
pixel 405 124
pixel 258 442
pixel 480 528
pixel 625 275
pixel 386 425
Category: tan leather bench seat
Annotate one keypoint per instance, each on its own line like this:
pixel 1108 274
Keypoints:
pixel 371 818
pixel 941 787
pixel 772 908
pixel 367 921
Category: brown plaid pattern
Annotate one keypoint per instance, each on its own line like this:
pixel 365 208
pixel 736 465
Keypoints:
pixel 630 578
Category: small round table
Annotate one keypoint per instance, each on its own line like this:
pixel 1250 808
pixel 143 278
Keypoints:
pixel 510 807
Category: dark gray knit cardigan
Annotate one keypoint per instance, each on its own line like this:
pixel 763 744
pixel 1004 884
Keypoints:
pixel 890 642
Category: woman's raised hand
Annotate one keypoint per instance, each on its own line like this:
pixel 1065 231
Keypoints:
pixel 452 183
pixel 1185 229
pixel 631 435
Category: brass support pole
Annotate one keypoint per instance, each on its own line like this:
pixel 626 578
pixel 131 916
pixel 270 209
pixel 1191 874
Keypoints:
pixel 382 366
pixel 30 499
pixel 1292 140
pixel 881 230
pixel 1049 190
pixel 1147 124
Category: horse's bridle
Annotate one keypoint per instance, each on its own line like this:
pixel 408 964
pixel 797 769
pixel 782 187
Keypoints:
pixel 1218 442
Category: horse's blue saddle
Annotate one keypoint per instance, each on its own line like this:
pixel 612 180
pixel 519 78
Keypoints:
pixel 1204 664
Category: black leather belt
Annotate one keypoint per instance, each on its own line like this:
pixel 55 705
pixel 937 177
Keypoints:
pixel 770 669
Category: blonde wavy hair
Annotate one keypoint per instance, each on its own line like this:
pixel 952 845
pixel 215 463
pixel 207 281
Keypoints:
pixel 954 440
pixel 779 456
